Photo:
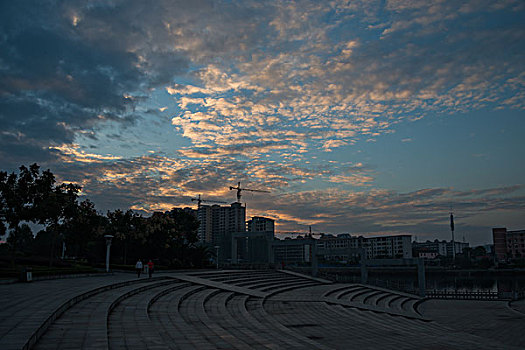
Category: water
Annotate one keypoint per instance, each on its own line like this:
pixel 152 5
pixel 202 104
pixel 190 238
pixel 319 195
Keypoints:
pixel 444 281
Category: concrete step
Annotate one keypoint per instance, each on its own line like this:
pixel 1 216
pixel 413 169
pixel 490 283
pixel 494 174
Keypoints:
pixel 85 324
pixel 233 333
pixel 269 283
pixel 129 325
pixel 280 288
pixel 221 311
pixel 35 306
pixel 360 296
pixel 165 315
pixel 372 298
pixel 265 315
pixel 234 278
pixel 243 307
pixel 193 313
pixel 340 293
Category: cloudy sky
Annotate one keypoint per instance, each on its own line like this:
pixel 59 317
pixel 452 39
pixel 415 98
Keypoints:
pixel 368 117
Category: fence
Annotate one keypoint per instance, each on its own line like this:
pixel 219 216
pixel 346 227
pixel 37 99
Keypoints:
pixel 462 295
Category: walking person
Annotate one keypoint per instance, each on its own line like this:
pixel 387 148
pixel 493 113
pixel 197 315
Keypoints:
pixel 138 268
pixel 150 268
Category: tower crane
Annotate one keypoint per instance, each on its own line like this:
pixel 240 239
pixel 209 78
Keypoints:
pixel 199 201
pixel 239 189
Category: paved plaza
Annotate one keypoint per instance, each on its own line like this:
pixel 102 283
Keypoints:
pixel 245 310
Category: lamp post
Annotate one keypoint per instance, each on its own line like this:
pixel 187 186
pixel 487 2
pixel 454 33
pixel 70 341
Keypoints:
pixel 217 256
pixel 108 247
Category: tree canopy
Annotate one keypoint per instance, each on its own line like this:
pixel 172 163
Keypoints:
pixel 32 196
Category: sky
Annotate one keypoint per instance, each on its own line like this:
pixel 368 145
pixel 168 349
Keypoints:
pixel 363 117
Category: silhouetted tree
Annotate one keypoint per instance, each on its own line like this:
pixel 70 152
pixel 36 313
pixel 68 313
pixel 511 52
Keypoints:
pixel 127 229
pixel 34 197
pixel 21 239
pixel 82 226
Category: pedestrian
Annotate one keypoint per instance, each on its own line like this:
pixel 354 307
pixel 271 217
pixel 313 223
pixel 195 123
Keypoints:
pixel 138 268
pixel 150 268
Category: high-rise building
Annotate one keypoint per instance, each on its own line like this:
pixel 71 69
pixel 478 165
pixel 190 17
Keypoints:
pixel 218 224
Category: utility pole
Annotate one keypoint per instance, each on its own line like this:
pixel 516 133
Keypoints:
pixel 453 242
pixel 217 256
pixel 108 248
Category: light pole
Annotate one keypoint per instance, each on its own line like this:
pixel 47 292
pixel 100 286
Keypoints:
pixel 108 247
pixel 217 256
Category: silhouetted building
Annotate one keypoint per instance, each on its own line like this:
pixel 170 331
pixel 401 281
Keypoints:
pixel 443 248
pixel 255 245
pixel 508 244
pixel 219 223
pixel 426 253
pixel 396 246
pixel 286 252
pixel 259 223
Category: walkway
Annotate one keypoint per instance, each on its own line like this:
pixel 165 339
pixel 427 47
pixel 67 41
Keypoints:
pixel 245 310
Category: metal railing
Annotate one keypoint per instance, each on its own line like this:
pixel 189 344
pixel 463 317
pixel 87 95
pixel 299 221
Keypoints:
pixel 462 295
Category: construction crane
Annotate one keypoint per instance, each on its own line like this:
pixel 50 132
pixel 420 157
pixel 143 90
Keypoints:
pixel 199 201
pixel 239 189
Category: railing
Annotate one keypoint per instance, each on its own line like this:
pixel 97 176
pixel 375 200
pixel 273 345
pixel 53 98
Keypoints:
pixel 462 295
pixel 400 286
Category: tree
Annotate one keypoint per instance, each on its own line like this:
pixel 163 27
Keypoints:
pixel 21 239
pixel 32 196
pixel 81 226
pixel 125 227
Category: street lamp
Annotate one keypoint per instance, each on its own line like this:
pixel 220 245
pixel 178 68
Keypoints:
pixel 108 247
pixel 217 255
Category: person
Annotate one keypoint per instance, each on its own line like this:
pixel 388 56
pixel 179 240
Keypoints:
pixel 150 268
pixel 138 268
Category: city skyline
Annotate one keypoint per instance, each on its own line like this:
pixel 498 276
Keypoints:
pixel 362 117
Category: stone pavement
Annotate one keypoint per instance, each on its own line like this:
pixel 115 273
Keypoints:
pixel 245 310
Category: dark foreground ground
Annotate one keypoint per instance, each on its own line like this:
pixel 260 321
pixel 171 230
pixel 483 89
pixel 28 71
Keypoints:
pixel 245 310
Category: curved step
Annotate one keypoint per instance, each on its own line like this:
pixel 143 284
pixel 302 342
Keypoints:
pixel 280 288
pixel 230 312
pixel 240 277
pixel 408 305
pixel 218 315
pixel 385 300
pixel 338 288
pixel 372 298
pixel 256 280
pixel 395 302
pixel 360 296
pixel 164 314
pixel 262 314
pixel 193 313
pixel 245 307
pixel 86 323
pixel 279 282
pixel 348 293
pixel 129 324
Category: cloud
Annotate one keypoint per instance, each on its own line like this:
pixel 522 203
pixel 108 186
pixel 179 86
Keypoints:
pixel 423 213
pixel 71 65
pixel 253 90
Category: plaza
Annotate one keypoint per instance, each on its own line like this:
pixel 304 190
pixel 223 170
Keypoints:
pixel 242 309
